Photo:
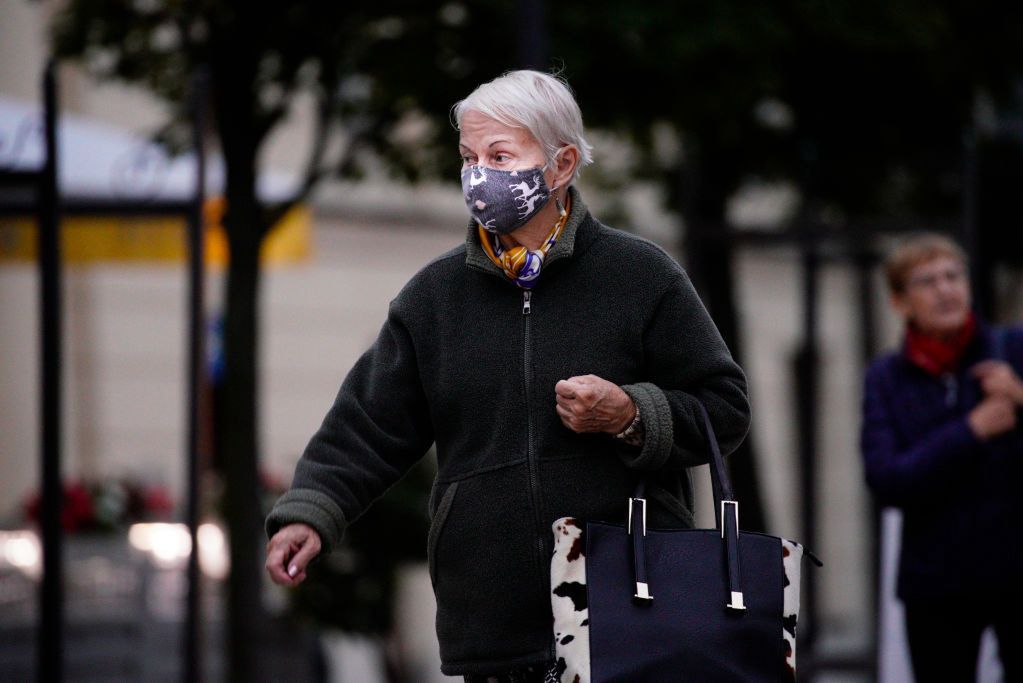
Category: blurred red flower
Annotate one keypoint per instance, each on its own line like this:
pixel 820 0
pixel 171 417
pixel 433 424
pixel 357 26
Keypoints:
pixel 105 505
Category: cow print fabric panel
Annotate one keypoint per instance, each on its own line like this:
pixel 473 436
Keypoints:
pixel 568 602
pixel 792 555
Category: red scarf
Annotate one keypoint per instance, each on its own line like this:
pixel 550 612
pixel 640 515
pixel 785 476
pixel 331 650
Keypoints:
pixel 939 356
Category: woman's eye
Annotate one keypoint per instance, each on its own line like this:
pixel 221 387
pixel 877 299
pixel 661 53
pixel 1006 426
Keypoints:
pixel 501 157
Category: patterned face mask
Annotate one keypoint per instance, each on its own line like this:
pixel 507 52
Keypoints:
pixel 503 201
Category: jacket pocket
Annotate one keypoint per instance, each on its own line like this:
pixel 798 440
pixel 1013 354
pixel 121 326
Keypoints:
pixel 436 526
pixel 493 602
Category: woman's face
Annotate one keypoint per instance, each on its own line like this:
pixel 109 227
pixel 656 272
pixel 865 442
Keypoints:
pixel 937 296
pixel 487 142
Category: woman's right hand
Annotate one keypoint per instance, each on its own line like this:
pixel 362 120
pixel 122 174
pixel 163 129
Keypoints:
pixel 289 552
pixel 993 416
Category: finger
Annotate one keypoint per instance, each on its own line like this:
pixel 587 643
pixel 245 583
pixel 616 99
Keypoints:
pixel 275 565
pixel 997 390
pixel 574 406
pixel 992 400
pixel 984 367
pixel 566 403
pixel 580 390
pixel 996 376
pixel 565 388
pixel 302 558
pixel 567 418
pixel 278 552
pixel 277 574
pixel 580 423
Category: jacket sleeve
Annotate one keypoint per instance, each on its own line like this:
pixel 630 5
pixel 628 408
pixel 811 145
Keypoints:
pixel 376 430
pixel 686 361
pixel 898 475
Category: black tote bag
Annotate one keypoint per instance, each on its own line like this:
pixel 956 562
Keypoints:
pixel 634 605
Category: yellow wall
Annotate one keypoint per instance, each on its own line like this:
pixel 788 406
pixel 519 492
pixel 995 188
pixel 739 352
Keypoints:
pixel 108 239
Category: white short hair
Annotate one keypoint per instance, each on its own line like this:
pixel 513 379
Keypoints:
pixel 541 103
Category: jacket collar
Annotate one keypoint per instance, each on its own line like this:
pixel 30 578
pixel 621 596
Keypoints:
pixel 574 236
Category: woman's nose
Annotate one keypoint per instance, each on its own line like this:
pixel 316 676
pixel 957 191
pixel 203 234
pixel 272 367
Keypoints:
pixel 949 285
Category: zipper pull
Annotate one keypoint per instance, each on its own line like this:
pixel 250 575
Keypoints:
pixel 526 296
pixel 951 390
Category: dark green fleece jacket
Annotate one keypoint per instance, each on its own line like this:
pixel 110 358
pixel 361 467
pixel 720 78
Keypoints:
pixel 469 361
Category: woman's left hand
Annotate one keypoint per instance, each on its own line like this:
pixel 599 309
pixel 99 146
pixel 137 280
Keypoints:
pixel 588 403
pixel 997 378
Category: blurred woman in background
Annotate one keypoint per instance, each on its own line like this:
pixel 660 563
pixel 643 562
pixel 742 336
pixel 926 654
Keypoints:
pixel 941 441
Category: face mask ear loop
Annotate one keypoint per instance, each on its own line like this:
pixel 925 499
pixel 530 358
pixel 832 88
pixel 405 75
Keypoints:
pixel 557 201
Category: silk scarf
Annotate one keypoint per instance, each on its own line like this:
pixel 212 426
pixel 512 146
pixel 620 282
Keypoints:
pixel 939 356
pixel 520 264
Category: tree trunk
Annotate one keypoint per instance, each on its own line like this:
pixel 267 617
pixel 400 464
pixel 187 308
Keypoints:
pixel 240 440
pixel 234 93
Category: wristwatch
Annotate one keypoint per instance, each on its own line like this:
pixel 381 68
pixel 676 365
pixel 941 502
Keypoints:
pixel 632 429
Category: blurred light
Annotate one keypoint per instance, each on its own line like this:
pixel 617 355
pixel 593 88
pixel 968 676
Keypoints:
pixel 169 546
pixel 774 114
pixel 454 14
pixel 763 205
pixel 667 146
pixel 213 556
pixel 22 550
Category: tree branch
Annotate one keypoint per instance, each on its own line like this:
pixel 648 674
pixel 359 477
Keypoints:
pixel 315 170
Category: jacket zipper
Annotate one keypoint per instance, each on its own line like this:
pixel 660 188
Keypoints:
pixel 951 390
pixel 532 465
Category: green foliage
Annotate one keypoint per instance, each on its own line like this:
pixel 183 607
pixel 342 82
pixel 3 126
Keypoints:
pixel 375 67
pixel 878 93
pixel 861 103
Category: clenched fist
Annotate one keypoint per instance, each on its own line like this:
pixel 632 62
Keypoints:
pixel 997 378
pixel 289 552
pixel 590 404
pixel 995 415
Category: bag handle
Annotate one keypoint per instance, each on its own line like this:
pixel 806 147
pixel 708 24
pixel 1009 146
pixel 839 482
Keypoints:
pixel 726 513
pixel 721 486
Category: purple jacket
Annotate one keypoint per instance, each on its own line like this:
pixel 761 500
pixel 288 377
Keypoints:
pixel 961 498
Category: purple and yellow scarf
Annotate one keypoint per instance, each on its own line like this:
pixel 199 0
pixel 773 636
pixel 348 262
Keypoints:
pixel 519 263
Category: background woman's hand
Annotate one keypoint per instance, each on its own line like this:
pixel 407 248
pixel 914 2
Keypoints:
pixel 588 403
pixel 997 378
pixel 995 415
pixel 289 552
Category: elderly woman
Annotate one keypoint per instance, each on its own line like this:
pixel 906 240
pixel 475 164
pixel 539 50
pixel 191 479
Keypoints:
pixel 941 441
pixel 551 359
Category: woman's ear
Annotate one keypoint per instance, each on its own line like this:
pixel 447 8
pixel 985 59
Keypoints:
pixel 565 163
pixel 901 305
